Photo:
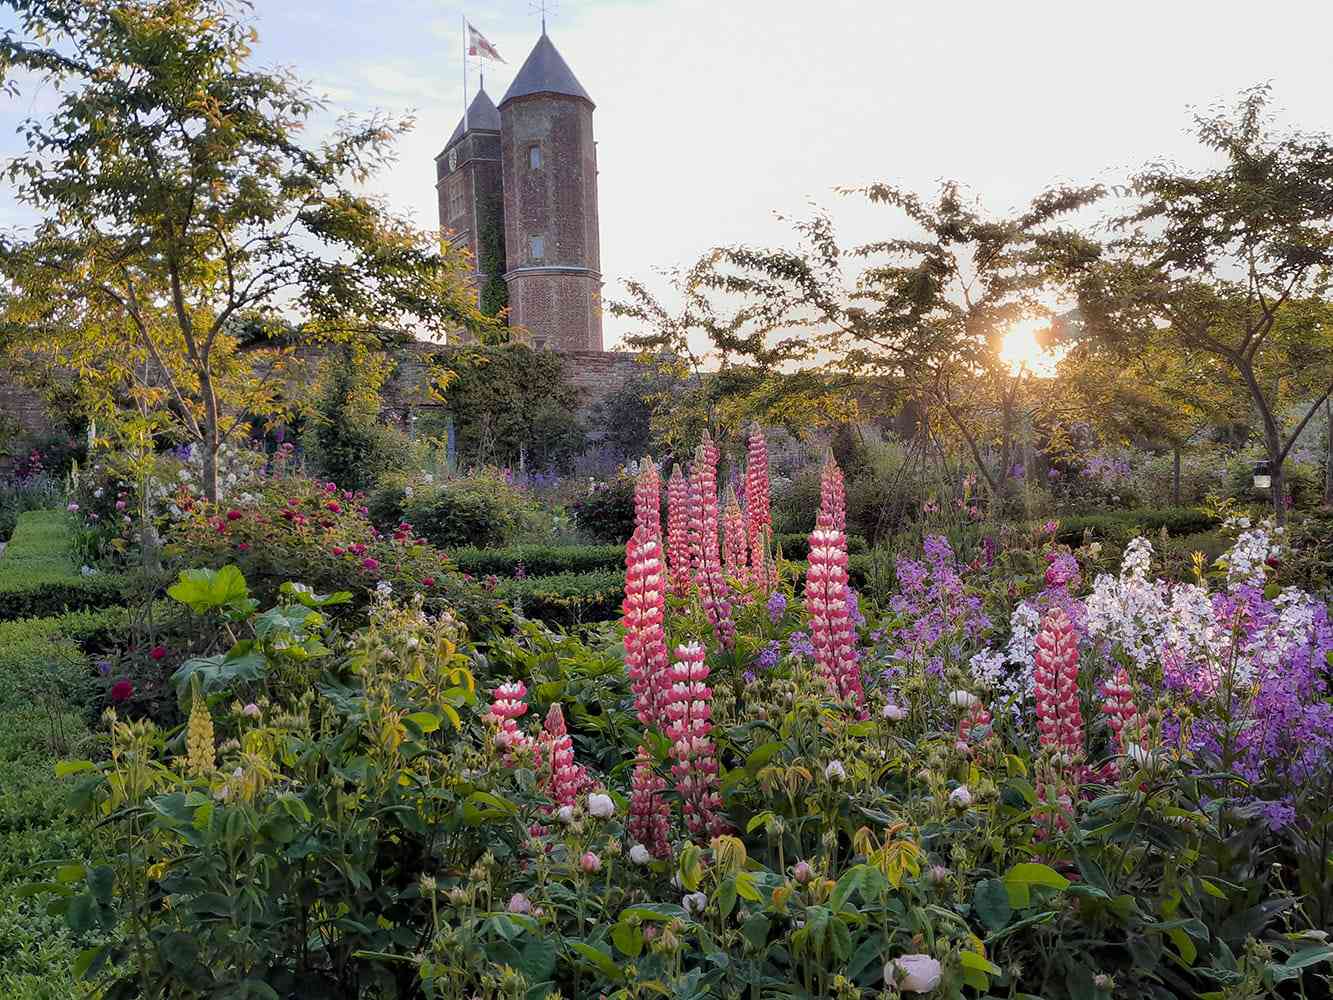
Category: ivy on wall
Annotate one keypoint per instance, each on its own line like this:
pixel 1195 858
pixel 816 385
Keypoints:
pixel 491 254
pixel 510 400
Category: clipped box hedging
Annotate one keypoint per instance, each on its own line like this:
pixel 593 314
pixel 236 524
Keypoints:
pixel 538 560
pixel 1120 526
pixel 551 560
pixel 567 598
pixel 39 577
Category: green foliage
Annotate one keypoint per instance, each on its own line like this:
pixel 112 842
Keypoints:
pixel 345 440
pixel 1120 526
pixel 607 513
pixel 38 574
pixel 566 598
pixel 479 509
pixel 297 529
pixel 508 402
pixel 623 420
pixel 204 214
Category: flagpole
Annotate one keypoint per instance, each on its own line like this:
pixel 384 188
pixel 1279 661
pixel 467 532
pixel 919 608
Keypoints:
pixel 465 124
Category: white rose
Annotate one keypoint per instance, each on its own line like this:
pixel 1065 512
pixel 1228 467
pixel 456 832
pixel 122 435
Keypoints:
pixel 695 903
pixel 835 771
pixel 960 797
pixel 963 699
pixel 914 973
pixel 601 806
pixel 640 855
pixel 565 814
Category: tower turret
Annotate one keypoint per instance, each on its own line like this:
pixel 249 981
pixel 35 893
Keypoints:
pixel 549 162
pixel 468 183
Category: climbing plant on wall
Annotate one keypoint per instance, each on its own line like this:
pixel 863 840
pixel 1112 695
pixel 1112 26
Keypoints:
pixel 509 400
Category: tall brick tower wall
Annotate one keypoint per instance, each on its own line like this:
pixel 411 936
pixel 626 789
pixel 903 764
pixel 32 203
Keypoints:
pixel 551 211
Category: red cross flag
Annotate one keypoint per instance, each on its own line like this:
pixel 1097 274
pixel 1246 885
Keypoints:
pixel 479 45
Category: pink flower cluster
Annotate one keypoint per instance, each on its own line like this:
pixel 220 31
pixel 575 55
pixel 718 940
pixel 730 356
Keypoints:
pixel 508 707
pixel 1122 715
pixel 689 727
pixel 713 592
pixel 758 511
pixel 832 631
pixel 644 612
pixel 568 779
pixel 649 820
pixel 1055 684
pixel 678 533
pixel 733 534
pixel 648 498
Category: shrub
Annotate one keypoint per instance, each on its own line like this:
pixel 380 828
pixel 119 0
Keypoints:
pixel 538 560
pixel 1120 526
pixel 298 529
pixel 480 509
pixel 607 512
pixel 345 440
pixel 566 598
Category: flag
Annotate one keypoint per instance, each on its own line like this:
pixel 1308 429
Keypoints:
pixel 479 45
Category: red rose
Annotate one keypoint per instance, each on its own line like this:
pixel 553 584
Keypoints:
pixel 233 515
pixel 334 506
pixel 121 691
pixel 429 581
pixel 157 652
pixel 243 547
pixel 371 564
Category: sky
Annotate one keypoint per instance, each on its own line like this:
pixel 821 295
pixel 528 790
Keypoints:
pixel 713 116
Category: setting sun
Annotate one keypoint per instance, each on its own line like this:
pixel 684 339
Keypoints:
pixel 1022 349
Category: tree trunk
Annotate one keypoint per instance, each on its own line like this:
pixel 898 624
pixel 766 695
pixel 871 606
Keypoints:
pixel 1175 475
pixel 1279 493
pixel 210 442
pixel 1328 453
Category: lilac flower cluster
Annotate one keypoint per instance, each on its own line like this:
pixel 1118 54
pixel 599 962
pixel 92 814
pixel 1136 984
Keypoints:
pixel 939 616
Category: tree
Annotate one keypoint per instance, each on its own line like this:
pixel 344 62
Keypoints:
pixel 176 199
pixel 1154 393
pixel 1234 263
pixel 714 364
pixel 922 321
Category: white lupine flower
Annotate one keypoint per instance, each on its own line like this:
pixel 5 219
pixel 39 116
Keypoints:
pixel 963 699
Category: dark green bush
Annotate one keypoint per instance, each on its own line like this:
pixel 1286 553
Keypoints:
pixel 607 513
pixel 538 560
pixel 481 509
pixel 567 598
pixel 345 440
pixel 1120 526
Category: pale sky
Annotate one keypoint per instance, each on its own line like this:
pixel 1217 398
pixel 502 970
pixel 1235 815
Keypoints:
pixel 712 115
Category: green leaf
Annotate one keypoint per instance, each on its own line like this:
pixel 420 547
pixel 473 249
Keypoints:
pixel 426 722
pixel 64 768
pixel 628 938
pixel 657 912
pixel 241 664
pixel 209 590
pixel 850 881
pixel 991 903
pixel 307 596
pixel 1020 879
pixel 604 963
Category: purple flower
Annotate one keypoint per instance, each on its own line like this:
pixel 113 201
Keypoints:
pixel 768 656
pixel 799 644
pixel 777 607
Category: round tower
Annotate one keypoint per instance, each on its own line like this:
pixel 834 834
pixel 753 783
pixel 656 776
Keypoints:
pixel 549 164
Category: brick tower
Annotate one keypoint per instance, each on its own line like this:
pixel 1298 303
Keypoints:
pixel 548 160
pixel 468 183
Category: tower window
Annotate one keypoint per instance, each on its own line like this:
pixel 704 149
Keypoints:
pixel 534 157
pixel 537 247
pixel 455 196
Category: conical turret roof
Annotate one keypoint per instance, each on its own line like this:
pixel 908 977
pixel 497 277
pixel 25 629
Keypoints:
pixel 482 116
pixel 545 72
